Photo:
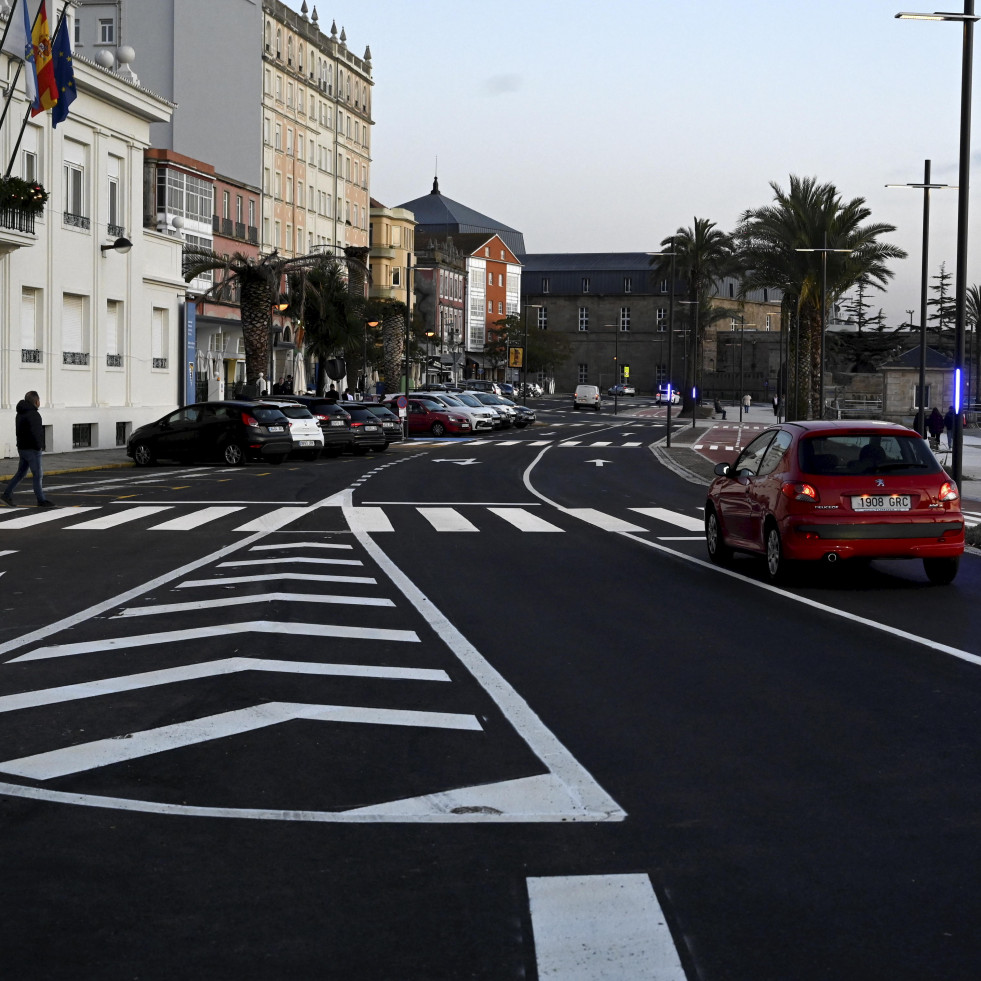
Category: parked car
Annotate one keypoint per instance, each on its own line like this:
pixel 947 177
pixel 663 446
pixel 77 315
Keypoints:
pixel 507 390
pixel 805 491
pixel 662 395
pixel 619 391
pixel 481 417
pixel 308 439
pixel 436 419
pixel 366 429
pixel 335 423
pixel 587 396
pixel 499 404
pixel 530 388
pixel 390 423
pixel 233 431
pixel 481 385
pixel 524 416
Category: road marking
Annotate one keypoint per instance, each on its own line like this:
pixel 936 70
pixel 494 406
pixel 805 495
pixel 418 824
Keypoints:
pixel 105 752
pixel 605 521
pixel 601 443
pixel 447 519
pixel 595 927
pixel 279 545
pixel 369 520
pixel 51 514
pixel 463 463
pixel 195 519
pixel 8 551
pixel 673 518
pixel 599 463
pixel 321 630
pixel 274 520
pixel 293 559
pixel 625 445
pixel 249 599
pixel 524 520
pixel 210 669
pixel 275 577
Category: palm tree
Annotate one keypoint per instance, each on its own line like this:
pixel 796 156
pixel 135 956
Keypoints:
pixel 703 255
pixel 812 216
pixel 972 315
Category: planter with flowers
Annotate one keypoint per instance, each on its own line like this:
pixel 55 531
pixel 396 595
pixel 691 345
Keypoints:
pixel 20 202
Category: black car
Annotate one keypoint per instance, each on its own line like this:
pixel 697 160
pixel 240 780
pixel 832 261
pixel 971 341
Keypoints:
pixel 390 422
pixel 366 428
pixel 335 423
pixel 229 431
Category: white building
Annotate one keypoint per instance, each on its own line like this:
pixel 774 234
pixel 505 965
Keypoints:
pixel 94 330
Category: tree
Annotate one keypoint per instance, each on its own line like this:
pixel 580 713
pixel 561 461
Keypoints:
pixel 856 307
pixel 812 216
pixel 703 255
pixel 943 304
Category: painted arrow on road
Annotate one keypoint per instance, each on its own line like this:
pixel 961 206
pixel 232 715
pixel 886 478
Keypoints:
pixel 600 463
pixel 462 463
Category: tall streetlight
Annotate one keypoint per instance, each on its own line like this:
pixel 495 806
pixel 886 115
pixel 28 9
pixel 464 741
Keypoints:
pixel 924 275
pixel 616 363
pixel 824 314
pixel 694 357
pixel 742 327
pixel 963 197
pixel 364 358
pixel 524 354
pixel 667 423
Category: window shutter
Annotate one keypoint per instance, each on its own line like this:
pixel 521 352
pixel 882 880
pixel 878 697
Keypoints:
pixel 28 319
pixel 71 324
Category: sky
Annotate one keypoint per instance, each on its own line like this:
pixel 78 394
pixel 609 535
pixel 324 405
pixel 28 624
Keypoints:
pixel 604 127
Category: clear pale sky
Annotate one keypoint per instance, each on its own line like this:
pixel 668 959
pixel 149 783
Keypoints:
pixel 605 126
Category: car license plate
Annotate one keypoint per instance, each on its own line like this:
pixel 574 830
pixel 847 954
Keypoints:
pixel 276 429
pixel 371 429
pixel 304 442
pixel 881 502
pixel 337 422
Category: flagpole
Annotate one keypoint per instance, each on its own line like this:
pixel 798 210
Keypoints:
pixel 20 65
pixel 27 114
pixel 10 18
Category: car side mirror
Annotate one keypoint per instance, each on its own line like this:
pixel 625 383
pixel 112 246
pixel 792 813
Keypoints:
pixel 721 470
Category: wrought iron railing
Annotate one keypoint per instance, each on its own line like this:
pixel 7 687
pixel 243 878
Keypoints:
pixel 30 355
pixel 74 357
pixel 159 362
pixel 77 221
pixel 17 220
pixel 114 361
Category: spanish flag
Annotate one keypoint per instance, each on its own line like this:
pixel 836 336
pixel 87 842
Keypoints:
pixel 47 87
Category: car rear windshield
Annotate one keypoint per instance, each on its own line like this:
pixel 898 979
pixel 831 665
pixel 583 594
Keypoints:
pixel 266 414
pixel 296 412
pixel 864 453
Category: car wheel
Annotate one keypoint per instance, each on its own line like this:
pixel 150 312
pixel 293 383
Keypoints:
pixel 233 454
pixel 941 572
pixel 438 429
pixel 718 551
pixel 777 567
pixel 143 455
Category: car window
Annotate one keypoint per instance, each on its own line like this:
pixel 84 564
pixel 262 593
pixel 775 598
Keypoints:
pixel 296 412
pixel 188 414
pixel 750 458
pixel 467 399
pixel 266 414
pixel 864 453
pixel 774 453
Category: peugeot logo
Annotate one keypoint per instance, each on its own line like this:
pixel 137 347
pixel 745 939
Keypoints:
pixel 879 482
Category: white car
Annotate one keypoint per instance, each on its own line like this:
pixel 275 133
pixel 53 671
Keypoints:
pixel 499 404
pixel 488 414
pixel 661 398
pixel 481 418
pixel 305 431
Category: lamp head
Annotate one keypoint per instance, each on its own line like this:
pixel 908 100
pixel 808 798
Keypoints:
pixel 121 245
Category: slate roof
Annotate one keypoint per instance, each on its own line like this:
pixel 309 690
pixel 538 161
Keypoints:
pixel 911 359
pixel 586 261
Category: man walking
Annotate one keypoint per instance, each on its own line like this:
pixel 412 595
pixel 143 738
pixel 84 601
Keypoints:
pixel 30 446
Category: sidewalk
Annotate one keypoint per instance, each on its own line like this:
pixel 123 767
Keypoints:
pixel 74 462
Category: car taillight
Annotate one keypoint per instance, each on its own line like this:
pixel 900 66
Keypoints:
pixel 356 425
pixel 323 418
pixel 250 420
pixel 801 492
pixel 948 492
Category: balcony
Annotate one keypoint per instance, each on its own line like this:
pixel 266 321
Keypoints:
pixel 16 229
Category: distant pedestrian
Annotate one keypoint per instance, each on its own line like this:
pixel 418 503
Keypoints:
pixel 720 410
pixel 776 405
pixel 949 426
pixel 30 446
pixel 747 402
pixel 331 394
pixel 935 426
pixel 261 385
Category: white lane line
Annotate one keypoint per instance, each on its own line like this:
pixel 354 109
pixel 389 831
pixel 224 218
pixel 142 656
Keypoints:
pixel 320 630
pixel 210 669
pixel 447 519
pixel 292 559
pixel 571 442
pixel 625 445
pixel 251 599
pixel 369 520
pixel 524 520
pixel 540 442
pixel 119 518
pixel 195 519
pixel 274 520
pixel 275 577
pixel 601 520
pixel 601 928
pixel 8 551
pixel 602 443
pixel 281 545
pixel 673 518
pixel 40 517
pixel 105 752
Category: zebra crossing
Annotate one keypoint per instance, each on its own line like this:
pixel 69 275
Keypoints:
pixel 367 519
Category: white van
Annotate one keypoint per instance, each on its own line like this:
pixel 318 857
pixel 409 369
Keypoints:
pixel 588 396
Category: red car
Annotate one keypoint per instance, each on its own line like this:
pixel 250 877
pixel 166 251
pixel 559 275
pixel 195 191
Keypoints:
pixel 836 490
pixel 433 418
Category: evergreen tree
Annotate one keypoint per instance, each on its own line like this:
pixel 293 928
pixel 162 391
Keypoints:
pixel 943 303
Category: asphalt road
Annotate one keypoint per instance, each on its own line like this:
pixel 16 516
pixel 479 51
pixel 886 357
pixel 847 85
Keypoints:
pixel 472 710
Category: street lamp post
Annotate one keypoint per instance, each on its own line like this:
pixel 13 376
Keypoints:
pixel 968 19
pixel 694 358
pixel 524 354
pixel 616 363
pixel 924 275
pixel 364 358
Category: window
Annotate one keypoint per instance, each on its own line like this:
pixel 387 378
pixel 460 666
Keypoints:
pixel 500 308
pixel 30 333
pixel 583 373
pixel 490 279
pixel 544 284
pixel 584 318
pixel 107 31
pixel 238 209
pixel 585 284
pixel 664 286
pixel 115 199
pixel 768 318
pixel 661 318
pixel 543 318
pixel 75 195
pixel 396 275
pixel 624 318
pixel 74 340
pixel 628 286
pixel 160 337
pixel 500 279
pixel 279 136
pixel 226 204
pixel 490 306
pixel 113 338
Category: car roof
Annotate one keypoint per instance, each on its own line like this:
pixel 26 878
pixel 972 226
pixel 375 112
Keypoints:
pixel 841 426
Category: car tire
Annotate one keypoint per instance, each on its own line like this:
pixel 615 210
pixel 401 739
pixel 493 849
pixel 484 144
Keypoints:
pixel 718 551
pixel 143 455
pixel 941 572
pixel 777 566
pixel 233 455
pixel 438 429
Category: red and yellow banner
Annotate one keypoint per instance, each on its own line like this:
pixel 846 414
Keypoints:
pixel 47 87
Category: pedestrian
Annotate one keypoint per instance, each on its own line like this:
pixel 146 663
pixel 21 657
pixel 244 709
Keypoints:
pixel 776 405
pixel 347 395
pixel 935 426
pixel 331 394
pixel 949 426
pixel 30 445
pixel 261 385
pixel 747 402
pixel 720 410
pixel 288 385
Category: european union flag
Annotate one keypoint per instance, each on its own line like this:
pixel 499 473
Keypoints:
pixel 64 74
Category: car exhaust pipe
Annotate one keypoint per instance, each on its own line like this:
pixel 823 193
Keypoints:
pixel 832 557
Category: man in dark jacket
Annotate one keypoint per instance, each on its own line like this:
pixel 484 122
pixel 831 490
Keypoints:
pixel 30 446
